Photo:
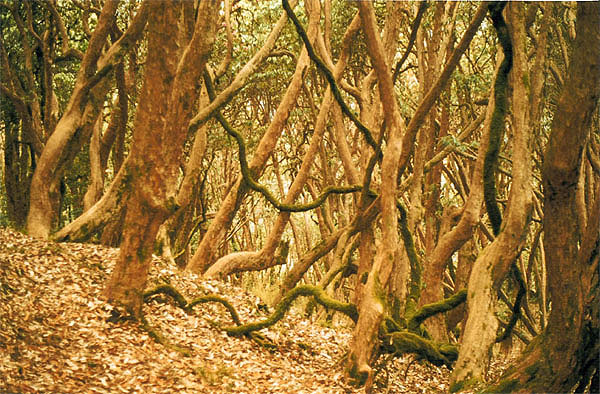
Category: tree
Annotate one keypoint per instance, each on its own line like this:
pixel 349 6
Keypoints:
pixel 339 153
pixel 171 86
pixel 556 361
pixel 76 124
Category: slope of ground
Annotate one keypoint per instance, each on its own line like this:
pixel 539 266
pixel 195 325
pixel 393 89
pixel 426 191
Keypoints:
pixel 55 336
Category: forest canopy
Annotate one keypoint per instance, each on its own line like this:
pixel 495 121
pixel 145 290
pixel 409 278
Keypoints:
pixel 431 170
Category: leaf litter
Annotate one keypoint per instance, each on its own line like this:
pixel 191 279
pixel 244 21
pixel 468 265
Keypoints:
pixel 55 336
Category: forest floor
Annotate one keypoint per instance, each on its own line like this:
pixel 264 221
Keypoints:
pixel 55 336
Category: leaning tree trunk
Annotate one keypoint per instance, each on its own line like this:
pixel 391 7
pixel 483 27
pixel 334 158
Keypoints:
pixel 107 212
pixel 205 254
pixel 371 307
pixel 494 262
pixel 266 257
pixel 84 104
pixel 558 360
pixel 171 87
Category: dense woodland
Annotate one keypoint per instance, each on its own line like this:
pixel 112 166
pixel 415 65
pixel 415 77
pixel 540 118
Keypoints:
pixel 431 170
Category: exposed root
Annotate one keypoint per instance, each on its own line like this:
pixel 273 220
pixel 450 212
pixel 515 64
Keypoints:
pixel 399 339
pixel 220 300
pixel 284 305
pixel 247 329
pixel 159 338
pixel 436 353
pixel 171 292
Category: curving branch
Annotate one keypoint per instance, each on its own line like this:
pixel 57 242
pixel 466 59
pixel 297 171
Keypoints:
pixel 284 305
pixel 248 329
pixel 411 40
pixel 330 78
pixel 426 311
pixel 436 353
pixel 516 310
pixel 249 178
pixel 497 124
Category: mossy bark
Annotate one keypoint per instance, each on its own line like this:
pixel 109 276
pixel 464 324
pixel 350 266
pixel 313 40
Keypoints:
pixel 557 360
pixel 284 305
pixel 494 262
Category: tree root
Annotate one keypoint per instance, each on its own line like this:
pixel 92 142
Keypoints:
pixel 436 353
pixel 399 338
pixel 248 329
pixel 171 292
pixel 219 300
pixel 284 305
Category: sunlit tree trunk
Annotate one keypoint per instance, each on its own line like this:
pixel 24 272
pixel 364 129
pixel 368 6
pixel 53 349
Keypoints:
pixel 94 191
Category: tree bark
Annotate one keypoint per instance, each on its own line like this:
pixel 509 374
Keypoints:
pixel 266 257
pixel 494 262
pixel 556 361
pixel 171 87
pixel 82 109
pixel 371 308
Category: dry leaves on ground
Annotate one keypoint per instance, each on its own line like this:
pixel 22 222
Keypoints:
pixel 55 337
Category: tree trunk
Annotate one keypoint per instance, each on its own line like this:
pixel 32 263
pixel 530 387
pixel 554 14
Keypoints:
pixel 171 87
pixel 557 360
pixel 371 307
pixel 18 161
pixel 266 257
pixel 94 191
pixel 72 130
pixel 493 263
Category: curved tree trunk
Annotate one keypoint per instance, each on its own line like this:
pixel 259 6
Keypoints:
pixel 494 262
pixel 557 360
pixel 371 307
pixel 453 240
pixel 266 257
pixel 73 130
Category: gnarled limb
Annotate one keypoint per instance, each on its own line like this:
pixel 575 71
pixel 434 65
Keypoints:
pixel 435 308
pixel 284 305
pixel 500 109
pixel 204 255
pixel 439 354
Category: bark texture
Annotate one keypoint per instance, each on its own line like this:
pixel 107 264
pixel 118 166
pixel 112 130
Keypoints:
pixel 372 305
pixel 492 265
pixel 557 361
pixel 75 126
pixel 171 88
